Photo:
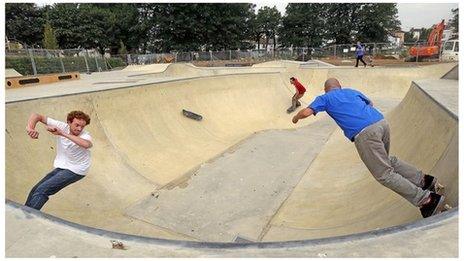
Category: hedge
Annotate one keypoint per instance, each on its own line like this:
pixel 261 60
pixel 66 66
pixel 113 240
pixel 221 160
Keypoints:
pixel 22 64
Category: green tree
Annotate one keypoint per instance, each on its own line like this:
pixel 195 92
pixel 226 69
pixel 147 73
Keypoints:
pixel 24 23
pixel 81 26
pixel 376 22
pixel 122 49
pixel 49 39
pixel 189 27
pixel 455 20
pixel 423 35
pixel 65 18
pixel 254 30
pixel 225 26
pixel 316 24
pixel 342 21
pixel 177 26
pixel 303 25
pixel 268 23
pixel 122 24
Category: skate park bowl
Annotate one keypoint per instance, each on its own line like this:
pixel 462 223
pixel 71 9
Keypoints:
pixel 242 182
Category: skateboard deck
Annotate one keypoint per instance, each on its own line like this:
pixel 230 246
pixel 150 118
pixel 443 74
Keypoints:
pixel 192 115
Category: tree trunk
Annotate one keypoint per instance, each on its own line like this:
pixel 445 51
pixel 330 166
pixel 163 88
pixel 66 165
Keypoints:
pixel 275 44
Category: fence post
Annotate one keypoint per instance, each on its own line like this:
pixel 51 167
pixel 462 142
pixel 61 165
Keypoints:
pixel 96 62
pixel 62 64
pixel 34 68
pixel 335 51
pixel 175 57
pixel 104 60
pixel 86 63
pixel 230 55
pixel 211 55
pixel 373 52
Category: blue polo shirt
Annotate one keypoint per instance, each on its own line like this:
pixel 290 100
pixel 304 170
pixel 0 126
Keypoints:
pixel 349 108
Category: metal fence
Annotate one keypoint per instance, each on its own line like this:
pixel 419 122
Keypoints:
pixel 39 61
pixel 296 53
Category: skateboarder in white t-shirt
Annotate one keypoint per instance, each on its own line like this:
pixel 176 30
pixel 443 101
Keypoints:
pixel 72 160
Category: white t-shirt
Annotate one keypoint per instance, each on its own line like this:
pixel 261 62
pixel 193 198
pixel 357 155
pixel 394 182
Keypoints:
pixel 69 155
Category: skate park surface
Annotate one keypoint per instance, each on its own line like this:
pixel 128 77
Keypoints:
pixel 243 182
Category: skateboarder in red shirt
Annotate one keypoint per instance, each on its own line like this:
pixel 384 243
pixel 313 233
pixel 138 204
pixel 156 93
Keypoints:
pixel 300 90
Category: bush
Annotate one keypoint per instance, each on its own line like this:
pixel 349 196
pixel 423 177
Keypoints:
pixel 22 64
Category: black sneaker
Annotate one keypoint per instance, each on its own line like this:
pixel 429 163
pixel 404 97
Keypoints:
pixel 433 207
pixel 429 183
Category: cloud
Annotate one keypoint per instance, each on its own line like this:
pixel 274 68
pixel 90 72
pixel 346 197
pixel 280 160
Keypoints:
pixel 423 15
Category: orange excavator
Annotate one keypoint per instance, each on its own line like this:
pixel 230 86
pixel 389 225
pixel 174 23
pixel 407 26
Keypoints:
pixel 432 49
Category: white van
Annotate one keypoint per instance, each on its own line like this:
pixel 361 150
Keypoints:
pixel 450 51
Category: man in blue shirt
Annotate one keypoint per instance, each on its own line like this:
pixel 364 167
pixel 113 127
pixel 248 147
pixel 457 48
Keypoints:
pixel 364 125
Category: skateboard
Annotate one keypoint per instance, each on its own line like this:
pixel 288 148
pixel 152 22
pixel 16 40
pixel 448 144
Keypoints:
pixel 440 189
pixel 290 109
pixel 192 115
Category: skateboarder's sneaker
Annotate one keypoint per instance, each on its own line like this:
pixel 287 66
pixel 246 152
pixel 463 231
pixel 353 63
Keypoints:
pixel 291 109
pixel 434 206
pixel 429 183
pixel 298 104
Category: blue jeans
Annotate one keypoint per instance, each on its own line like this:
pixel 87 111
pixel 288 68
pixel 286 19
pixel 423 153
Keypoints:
pixel 49 185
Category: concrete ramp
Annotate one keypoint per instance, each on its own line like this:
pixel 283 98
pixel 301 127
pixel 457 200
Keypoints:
pixel 11 73
pixel 244 181
pixel 236 194
pixel 190 70
pixel 423 133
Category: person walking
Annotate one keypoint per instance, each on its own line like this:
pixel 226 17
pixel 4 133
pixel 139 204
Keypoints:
pixel 359 52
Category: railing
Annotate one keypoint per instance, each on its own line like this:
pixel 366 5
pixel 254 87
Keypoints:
pixel 40 61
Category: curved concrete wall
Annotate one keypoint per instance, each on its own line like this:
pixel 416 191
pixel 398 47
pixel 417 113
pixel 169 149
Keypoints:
pixel 142 142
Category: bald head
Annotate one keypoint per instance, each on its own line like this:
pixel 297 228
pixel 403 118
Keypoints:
pixel 331 83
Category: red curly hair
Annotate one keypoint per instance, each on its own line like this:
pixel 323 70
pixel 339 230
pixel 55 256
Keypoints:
pixel 78 115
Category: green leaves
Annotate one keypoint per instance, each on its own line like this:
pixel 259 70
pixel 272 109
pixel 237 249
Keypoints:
pixel 304 25
pixel 268 22
pixel 24 23
pixel 166 27
pixel 315 24
pixel 455 20
pixel 49 40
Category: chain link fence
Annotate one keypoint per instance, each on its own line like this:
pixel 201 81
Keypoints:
pixel 41 61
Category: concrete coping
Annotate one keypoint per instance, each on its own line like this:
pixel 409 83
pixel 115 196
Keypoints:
pixel 425 223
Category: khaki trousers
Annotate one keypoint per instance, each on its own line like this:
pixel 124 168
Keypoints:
pixel 373 145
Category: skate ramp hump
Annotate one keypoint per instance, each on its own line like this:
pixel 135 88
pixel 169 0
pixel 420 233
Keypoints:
pixel 143 145
pixel 11 73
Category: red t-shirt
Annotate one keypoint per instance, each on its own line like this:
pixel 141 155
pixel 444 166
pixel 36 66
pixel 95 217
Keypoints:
pixel 301 89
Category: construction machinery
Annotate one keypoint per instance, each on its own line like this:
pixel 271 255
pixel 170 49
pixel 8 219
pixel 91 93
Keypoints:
pixel 432 48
